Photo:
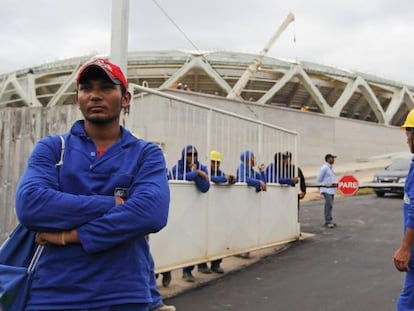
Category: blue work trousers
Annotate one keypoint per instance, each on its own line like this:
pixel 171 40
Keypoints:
pixel 406 300
pixel 124 307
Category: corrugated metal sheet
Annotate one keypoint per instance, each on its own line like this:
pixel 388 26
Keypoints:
pixel 20 129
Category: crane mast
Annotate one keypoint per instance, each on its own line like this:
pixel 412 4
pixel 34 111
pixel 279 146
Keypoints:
pixel 252 69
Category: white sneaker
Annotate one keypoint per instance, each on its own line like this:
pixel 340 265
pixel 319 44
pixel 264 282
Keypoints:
pixel 164 307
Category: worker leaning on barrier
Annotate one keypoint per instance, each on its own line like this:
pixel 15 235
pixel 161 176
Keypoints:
pixel 219 177
pixel 279 172
pixel 403 258
pixel 247 174
pixel 216 175
pixel 190 169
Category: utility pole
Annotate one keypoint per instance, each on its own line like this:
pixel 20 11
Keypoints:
pixel 252 69
pixel 119 33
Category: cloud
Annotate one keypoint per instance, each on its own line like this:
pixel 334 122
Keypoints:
pixel 364 36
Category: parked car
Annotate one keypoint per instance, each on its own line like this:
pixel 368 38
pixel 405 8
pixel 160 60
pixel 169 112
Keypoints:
pixel 393 177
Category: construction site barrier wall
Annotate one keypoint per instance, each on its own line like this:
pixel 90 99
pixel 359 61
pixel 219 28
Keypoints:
pixel 222 222
pixel 225 221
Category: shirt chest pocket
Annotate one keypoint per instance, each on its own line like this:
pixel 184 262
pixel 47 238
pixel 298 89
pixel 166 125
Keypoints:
pixel 108 183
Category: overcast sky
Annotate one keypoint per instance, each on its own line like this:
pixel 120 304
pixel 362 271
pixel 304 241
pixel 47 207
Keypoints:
pixel 375 37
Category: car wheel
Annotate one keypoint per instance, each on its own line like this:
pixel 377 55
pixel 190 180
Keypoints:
pixel 379 194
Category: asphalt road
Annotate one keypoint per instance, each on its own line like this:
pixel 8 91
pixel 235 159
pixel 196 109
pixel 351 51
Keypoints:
pixel 345 268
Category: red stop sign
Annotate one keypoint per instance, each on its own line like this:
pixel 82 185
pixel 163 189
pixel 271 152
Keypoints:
pixel 348 185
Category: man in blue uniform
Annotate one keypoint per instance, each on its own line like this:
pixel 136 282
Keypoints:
pixel 403 257
pixel 247 174
pixel 95 211
pixel 218 177
pixel 190 168
pixel 280 172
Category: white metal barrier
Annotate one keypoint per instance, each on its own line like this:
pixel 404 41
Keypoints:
pixel 227 220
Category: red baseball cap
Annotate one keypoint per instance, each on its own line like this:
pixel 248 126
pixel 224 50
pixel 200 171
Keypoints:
pixel 113 71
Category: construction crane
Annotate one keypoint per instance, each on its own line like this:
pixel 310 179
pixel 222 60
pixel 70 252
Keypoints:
pixel 251 70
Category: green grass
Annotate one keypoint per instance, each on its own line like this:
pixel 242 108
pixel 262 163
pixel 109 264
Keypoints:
pixel 364 191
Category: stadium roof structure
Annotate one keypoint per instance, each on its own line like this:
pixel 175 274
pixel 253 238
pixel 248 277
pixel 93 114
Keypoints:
pixel 277 82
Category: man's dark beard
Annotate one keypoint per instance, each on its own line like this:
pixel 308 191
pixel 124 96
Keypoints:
pixel 101 121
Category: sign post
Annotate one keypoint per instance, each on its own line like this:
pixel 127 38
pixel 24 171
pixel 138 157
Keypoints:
pixel 348 185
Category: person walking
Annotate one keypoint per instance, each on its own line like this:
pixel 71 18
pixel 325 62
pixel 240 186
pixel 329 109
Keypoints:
pixel 327 176
pixel 404 256
pixel 94 211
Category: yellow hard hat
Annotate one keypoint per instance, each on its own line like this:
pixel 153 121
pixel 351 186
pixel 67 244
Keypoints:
pixel 409 121
pixel 215 156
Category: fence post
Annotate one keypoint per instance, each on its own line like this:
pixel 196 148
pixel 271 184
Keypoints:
pixel 208 139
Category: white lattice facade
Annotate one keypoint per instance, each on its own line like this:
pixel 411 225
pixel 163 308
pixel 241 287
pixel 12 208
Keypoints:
pixel 297 85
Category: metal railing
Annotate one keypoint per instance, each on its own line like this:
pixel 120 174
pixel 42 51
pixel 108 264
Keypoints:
pixel 174 122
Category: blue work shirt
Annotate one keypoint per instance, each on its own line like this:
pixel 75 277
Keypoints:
pixel 276 176
pixel 112 263
pixel 182 170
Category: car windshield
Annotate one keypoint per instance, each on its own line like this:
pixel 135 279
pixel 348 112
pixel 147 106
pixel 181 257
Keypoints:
pixel 399 165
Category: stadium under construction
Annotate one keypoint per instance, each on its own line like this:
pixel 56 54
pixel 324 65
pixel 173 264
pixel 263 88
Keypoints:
pixel 293 84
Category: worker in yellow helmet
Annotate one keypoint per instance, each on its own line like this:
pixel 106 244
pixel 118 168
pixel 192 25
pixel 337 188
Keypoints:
pixel 217 176
pixel 404 256
pixel 409 128
pixel 215 156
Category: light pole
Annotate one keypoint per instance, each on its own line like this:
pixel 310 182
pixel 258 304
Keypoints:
pixel 119 33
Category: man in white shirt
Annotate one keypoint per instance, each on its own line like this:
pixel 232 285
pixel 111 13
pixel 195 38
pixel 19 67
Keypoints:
pixel 327 176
